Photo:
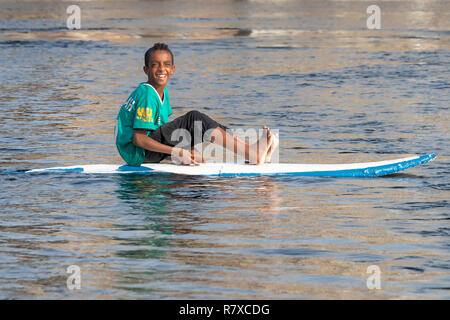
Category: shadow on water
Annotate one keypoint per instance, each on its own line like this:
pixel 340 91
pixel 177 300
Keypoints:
pixel 145 197
pixel 403 175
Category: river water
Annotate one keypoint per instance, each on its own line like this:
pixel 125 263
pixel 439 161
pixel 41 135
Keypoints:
pixel 336 91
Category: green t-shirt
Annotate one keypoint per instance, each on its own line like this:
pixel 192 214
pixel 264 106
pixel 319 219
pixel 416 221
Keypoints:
pixel 142 110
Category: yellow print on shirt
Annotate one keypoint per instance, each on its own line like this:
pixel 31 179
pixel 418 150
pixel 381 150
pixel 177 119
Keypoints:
pixel 144 114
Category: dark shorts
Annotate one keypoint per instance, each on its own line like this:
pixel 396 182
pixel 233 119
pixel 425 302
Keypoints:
pixel 165 133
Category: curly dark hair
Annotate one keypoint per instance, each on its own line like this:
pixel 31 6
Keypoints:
pixel 156 46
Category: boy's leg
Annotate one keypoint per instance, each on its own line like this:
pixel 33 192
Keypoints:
pixel 165 133
pixel 188 122
pixel 255 153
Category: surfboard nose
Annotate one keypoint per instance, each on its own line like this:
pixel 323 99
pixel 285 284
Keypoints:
pixel 428 157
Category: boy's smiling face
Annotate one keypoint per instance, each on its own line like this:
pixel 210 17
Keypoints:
pixel 160 68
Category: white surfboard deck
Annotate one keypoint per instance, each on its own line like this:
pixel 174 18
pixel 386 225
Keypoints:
pixel 367 169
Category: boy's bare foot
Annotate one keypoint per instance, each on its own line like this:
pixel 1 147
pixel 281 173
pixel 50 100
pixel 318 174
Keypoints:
pixel 272 148
pixel 258 151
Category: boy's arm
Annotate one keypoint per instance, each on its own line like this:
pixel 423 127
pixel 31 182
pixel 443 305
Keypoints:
pixel 141 139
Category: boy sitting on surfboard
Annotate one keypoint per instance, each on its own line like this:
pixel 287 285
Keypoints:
pixel 145 135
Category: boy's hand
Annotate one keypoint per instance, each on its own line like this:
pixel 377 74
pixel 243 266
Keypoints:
pixel 184 157
pixel 197 156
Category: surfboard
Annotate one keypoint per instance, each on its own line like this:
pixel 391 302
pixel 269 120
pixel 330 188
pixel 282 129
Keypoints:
pixel 367 169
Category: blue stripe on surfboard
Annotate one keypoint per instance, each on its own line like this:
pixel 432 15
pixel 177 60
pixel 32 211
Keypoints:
pixel 362 172
pixel 126 168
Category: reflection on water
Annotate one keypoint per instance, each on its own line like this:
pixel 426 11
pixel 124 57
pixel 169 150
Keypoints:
pixel 337 93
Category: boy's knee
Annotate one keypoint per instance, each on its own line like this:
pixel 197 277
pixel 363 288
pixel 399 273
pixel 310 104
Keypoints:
pixel 194 114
